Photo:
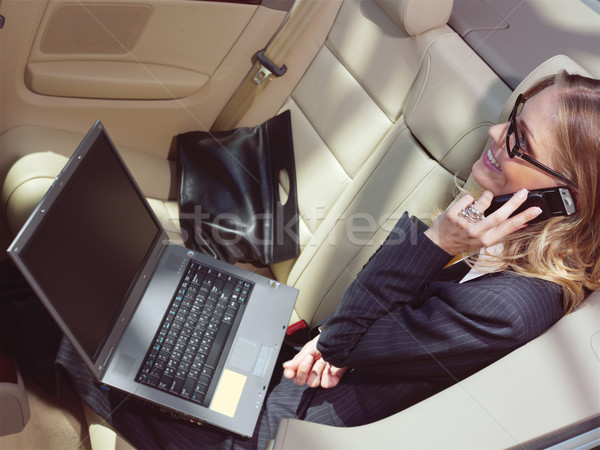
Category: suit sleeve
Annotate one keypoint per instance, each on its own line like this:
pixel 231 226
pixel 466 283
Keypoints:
pixel 391 323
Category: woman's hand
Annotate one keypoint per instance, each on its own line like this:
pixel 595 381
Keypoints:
pixel 308 366
pixel 455 234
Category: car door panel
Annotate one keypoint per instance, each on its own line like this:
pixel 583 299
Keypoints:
pixel 103 51
pixel 148 69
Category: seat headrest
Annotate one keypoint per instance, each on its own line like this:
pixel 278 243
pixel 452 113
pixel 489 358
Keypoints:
pixel 549 67
pixel 418 16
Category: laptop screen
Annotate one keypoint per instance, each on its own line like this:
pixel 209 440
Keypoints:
pixel 86 262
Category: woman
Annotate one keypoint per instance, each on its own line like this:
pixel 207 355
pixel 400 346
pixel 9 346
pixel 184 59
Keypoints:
pixel 556 124
pixel 422 333
pixel 408 327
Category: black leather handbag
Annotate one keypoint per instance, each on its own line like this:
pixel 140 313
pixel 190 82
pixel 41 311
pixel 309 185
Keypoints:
pixel 229 192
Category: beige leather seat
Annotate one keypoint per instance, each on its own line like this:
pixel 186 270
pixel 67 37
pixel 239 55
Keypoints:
pixel 31 176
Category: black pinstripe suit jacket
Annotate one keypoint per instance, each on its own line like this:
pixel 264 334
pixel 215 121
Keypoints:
pixel 404 318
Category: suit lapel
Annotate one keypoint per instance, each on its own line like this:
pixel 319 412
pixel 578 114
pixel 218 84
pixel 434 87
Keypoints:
pixel 455 272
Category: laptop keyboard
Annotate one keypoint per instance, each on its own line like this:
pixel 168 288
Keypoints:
pixel 184 358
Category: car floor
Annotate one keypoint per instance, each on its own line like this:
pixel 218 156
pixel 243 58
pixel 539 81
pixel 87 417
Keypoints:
pixel 55 423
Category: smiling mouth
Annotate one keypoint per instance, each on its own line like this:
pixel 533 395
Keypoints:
pixel 492 160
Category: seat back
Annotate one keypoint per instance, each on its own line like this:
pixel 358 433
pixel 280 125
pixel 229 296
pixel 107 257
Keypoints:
pixel 371 143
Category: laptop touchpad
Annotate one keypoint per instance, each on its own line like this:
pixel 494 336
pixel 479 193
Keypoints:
pixel 245 354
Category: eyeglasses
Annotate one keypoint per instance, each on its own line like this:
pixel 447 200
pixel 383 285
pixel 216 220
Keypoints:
pixel 517 149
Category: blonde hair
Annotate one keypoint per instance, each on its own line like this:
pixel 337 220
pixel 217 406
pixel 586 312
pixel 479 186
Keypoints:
pixel 566 250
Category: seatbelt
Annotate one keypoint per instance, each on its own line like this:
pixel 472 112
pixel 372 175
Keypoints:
pixel 270 62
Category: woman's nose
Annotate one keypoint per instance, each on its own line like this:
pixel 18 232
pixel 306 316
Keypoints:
pixel 498 133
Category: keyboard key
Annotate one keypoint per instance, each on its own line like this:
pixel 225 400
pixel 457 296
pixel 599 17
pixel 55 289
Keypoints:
pixel 177 385
pixel 197 397
pixel 160 364
pixel 217 346
pixel 165 382
pixel 152 380
pixel 188 388
pixel 204 380
pixel 173 364
pixel 197 364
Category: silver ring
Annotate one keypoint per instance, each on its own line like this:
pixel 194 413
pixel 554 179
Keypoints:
pixel 472 214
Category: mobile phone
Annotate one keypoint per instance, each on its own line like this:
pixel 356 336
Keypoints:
pixel 554 202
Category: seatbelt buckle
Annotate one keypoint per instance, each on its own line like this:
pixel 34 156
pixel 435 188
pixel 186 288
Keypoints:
pixel 267 68
pixel 297 334
pixel 296 327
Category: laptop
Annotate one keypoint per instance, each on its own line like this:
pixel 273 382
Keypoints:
pixel 144 314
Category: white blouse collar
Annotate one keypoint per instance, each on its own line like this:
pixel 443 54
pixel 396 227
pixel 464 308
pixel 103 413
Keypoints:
pixel 484 260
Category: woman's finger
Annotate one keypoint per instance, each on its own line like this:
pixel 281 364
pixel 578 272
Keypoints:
pixel 484 201
pixel 314 377
pixel 291 367
pixel 510 206
pixel 460 205
pixel 303 370
pixel 332 376
pixel 516 222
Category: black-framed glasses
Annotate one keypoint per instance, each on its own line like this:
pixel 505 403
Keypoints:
pixel 517 149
